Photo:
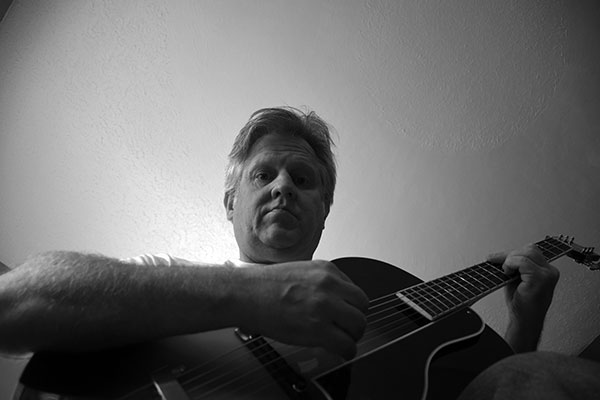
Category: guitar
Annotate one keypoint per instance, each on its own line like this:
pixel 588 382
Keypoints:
pixel 422 341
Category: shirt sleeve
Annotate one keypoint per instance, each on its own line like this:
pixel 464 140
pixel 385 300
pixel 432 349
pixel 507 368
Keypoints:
pixel 152 260
pixel 161 260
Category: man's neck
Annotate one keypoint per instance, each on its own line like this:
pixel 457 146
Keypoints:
pixel 271 259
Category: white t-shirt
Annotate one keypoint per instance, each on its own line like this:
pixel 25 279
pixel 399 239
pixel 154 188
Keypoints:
pixel 167 260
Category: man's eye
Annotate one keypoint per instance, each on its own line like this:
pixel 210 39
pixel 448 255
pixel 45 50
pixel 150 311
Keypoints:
pixel 302 181
pixel 262 177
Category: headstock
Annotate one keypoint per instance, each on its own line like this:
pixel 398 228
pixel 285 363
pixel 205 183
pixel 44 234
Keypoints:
pixel 580 254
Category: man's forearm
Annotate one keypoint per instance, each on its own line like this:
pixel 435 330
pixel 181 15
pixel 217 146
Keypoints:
pixel 71 301
pixel 523 338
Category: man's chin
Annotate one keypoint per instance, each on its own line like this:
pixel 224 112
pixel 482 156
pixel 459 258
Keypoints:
pixel 281 242
pixel 281 239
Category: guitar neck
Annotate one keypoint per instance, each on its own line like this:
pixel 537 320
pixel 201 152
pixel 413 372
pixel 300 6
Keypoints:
pixel 445 295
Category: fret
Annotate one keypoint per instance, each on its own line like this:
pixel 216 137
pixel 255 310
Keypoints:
pixel 547 250
pixel 552 248
pixel 432 289
pixel 474 284
pixel 485 278
pixel 494 272
pixel 416 298
pixel 457 289
pixel 409 296
pixel 430 297
pixel 444 295
pixel 460 287
pixel 449 290
pixel 470 290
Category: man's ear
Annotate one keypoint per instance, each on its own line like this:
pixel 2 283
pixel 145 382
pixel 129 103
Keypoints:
pixel 228 201
pixel 325 213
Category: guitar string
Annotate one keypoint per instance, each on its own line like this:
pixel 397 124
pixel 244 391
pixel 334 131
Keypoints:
pixel 243 346
pixel 375 300
pixel 227 395
pixel 240 355
pixel 270 382
pixel 361 343
pixel 377 331
pixel 235 351
pixel 266 378
pixel 495 285
pixel 364 340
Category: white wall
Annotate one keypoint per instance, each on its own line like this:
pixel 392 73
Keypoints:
pixel 464 128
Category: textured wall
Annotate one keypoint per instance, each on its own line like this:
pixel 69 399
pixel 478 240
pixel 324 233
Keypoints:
pixel 463 129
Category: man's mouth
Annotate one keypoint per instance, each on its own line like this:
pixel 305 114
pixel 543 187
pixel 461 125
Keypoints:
pixel 282 211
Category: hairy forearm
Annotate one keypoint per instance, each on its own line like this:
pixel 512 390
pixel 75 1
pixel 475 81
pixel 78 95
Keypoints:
pixel 72 301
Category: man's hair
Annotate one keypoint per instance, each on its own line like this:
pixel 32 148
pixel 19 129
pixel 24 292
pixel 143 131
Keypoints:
pixel 287 121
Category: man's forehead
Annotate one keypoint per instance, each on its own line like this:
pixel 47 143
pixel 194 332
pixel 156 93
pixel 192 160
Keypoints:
pixel 275 145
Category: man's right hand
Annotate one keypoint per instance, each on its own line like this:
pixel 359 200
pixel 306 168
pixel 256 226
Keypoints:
pixel 304 303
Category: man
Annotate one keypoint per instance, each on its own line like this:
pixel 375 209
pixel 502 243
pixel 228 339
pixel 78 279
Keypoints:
pixel 279 189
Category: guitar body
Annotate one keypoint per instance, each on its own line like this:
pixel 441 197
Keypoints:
pixel 437 359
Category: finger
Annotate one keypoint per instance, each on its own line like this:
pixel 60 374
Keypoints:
pixel 342 286
pixel 532 252
pixel 328 265
pixel 337 341
pixel 354 296
pixel 497 258
pixel 521 264
pixel 350 320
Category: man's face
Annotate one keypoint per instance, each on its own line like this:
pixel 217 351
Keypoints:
pixel 278 211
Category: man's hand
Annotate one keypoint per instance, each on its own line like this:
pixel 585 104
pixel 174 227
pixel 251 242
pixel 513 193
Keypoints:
pixel 528 298
pixel 306 303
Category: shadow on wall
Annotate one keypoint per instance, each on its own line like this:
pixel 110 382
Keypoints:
pixel 3 268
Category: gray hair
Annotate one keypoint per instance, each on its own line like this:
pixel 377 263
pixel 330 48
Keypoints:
pixel 289 121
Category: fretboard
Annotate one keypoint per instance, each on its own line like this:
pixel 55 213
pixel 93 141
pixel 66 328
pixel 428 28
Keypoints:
pixel 442 296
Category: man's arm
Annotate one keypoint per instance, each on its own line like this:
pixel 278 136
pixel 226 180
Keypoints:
pixel 71 301
pixel 528 298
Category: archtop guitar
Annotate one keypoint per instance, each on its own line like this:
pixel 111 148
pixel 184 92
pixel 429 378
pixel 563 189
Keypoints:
pixel 422 341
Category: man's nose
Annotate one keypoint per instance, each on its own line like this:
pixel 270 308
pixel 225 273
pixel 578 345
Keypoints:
pixel 284 186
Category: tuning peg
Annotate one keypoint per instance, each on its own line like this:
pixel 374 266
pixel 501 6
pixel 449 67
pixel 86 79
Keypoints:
pixel 593 266
pixel 565 239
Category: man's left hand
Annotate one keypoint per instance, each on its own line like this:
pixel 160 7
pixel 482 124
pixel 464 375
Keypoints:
pixel 528 298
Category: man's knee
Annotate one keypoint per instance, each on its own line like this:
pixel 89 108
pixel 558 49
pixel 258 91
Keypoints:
pixel 536 375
